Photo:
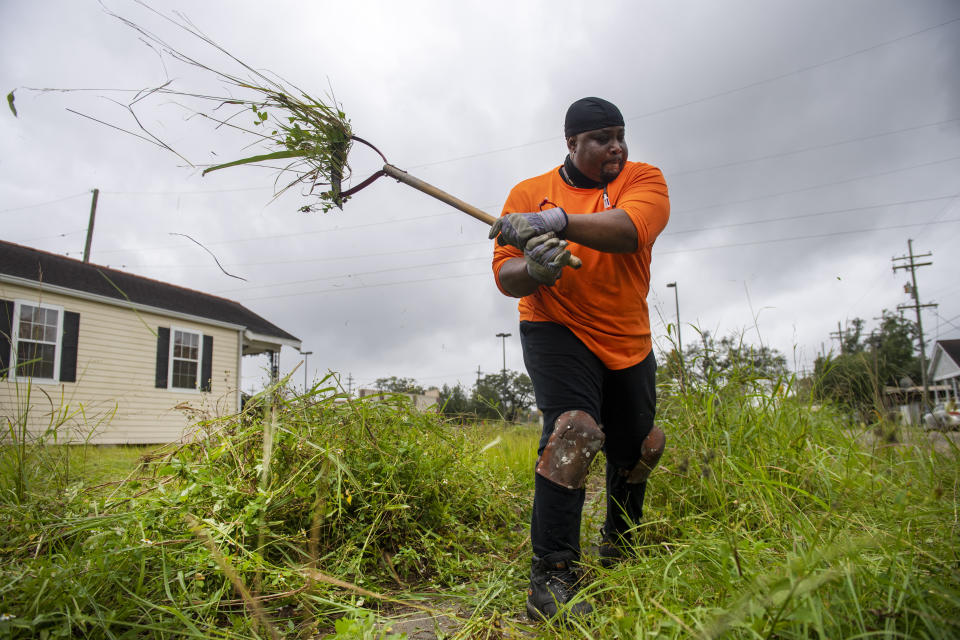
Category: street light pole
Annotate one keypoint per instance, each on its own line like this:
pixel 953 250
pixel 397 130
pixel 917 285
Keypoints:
pixel 676 300
pixel 503 337
pixel 306 358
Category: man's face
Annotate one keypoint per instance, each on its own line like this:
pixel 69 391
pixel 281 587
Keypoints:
pixel 599 154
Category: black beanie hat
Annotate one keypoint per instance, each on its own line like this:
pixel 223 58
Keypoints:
pixel 587 114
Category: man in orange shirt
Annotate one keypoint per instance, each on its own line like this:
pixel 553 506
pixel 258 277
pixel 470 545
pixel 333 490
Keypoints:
pixel 586 338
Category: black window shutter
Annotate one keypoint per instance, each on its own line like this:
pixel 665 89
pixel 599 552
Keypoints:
pixel 206 364
pixel 163 356
pixel 6 322
pixel 68 346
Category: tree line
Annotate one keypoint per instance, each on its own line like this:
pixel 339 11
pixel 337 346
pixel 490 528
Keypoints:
pixel 869 362
pixel 507 395
pixel 855 378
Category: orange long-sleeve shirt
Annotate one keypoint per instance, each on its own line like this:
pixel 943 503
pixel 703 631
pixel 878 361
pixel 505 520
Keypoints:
pixel 604 302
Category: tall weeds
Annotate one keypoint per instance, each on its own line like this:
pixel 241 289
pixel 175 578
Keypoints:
pixel 372 492
pixel 769 517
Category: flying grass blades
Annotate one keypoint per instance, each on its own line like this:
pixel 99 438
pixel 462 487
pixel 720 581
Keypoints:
pixel 304 139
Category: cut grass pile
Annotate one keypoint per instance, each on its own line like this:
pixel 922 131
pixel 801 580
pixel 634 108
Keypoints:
pixel 767 518
pixel 371 493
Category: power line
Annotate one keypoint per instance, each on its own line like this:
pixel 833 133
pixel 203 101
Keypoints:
pixel 808 237
pixel 667 234
pixel 809 215
pixel 473 244
pixel 298 234
pixel 449 213
pixel 943 212
pixel 59 235
pixel 949 322
pixel 815 186
pixel 812 148
pixel 184 193
pixel 487 273
pixel 354 275
pixel 869 290
pixel 705 98
pixel 324 259
pixel 43 204
pixel 796 71
pixel 369 286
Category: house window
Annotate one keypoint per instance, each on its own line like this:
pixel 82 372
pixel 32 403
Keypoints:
pixel 36 341
pixel 184 359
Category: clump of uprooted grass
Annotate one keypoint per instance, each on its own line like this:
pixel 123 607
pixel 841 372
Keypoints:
pixel 309 137
pixel 275 522
pixel 770 518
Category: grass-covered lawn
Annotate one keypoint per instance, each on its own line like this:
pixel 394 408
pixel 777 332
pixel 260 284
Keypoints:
pixel 768 518
pixel 102 464
pixel 51 467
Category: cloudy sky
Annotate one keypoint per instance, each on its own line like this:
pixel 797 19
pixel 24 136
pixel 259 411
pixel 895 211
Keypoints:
pixel 804 143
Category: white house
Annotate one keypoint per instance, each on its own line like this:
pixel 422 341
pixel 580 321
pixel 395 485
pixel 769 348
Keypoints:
pixel 426 401
pixel 103 356
pixel 944 370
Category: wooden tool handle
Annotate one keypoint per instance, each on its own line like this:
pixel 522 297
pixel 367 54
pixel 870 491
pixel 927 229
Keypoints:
pixel 453 201
pixel 439 194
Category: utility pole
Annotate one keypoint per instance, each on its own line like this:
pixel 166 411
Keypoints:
pixel 93 215
pixel 503 338
pixel 838 334
pixel 911 264
pixel 478 376
pixel 676 301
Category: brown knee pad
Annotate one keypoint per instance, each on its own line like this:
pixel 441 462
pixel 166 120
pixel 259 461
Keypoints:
pixel 572 446
pixel 650 451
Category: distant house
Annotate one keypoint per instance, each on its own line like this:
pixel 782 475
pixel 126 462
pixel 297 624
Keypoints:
pixel 426 401
pixel 944 369
pixel 107 357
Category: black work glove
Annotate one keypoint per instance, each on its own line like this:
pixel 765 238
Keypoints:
pixel 546 256
pixel 517 228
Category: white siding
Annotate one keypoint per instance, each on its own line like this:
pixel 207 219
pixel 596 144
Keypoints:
pixel 945 368
pixel 114 399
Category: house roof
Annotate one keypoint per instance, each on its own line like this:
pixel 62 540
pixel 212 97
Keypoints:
pixel 52 269
pixel 951 348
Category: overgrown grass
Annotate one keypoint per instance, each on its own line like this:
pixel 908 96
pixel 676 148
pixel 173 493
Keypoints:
pixel 768 518
pixel 88 464
pixel 371 494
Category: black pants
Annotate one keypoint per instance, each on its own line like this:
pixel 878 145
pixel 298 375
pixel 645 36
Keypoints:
pixel 568 376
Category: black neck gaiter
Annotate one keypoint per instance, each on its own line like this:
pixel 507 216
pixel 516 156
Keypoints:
pixel 575 178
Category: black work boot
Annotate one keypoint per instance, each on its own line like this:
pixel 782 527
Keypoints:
pixel 554 583
pixel 611 549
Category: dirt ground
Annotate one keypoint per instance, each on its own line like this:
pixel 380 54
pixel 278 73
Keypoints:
pixel 419 625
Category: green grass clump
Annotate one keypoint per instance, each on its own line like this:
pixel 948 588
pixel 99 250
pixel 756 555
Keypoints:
pixel 370 492
pixel 771 518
